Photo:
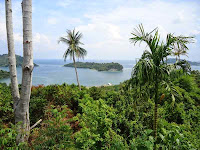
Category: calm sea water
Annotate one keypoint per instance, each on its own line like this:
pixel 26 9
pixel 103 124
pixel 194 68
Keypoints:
pixel 53 72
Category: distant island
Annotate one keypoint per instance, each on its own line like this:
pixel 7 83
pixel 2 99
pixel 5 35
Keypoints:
pixel 97 66
pixel 19 61
pixel 4 74
pixel 192 63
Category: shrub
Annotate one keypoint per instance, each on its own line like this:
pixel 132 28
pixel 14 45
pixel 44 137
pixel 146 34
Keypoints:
pixel 55 132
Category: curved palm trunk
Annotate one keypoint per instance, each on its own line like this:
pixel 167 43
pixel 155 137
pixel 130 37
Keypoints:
pixel 22 109
pixel 76 72
pixel 11 53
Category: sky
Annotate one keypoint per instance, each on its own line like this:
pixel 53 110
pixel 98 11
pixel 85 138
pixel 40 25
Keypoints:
pixel 106 25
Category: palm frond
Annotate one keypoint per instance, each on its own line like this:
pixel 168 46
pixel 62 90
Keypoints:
pixel 67 53
pixel 139 35
pixel 73 41
pixel 64 40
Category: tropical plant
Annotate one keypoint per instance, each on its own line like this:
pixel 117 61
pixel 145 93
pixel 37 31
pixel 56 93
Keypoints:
pixel 151 68
pixel 178 52
pixel 74 50
pixel 181 49
pixel 57 121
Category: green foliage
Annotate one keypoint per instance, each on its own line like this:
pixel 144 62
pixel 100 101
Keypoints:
pixel 37 109
pixel 55 132
pixel 186 82
pixel 8 137
pixel 143 142
pixel 196 75
pixel 97 93
pixel 171 137
pixel 4 74
pixel 114 117
pixel 6 109
pixel 96 126
pixel 97 66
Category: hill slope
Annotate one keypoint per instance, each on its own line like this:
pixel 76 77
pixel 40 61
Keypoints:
pixel 4 61
pixel 97 66
pixel 192 63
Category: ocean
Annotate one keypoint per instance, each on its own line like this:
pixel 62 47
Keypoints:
pixel 53 72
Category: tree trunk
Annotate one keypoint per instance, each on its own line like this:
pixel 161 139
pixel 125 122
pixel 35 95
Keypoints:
pixel 155 112
pixel 22 109
pixel 76 73
pixel 11 53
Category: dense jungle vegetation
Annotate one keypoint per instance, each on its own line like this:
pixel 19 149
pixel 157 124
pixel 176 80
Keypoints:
pixel 97 66
pixel 116 117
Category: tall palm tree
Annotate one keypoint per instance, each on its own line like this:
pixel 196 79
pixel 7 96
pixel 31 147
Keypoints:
pixel 74 50
pixel 151 68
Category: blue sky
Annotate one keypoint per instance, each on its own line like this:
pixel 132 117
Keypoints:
pixel 106 25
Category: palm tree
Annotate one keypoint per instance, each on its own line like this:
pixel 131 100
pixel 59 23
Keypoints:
pixel 177 52
pixel 74 50
pixel 181 49
pixel 151 68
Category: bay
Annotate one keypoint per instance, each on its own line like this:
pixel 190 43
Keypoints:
pixel 53 72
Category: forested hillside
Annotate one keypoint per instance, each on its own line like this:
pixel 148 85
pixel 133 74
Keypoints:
pixel 4 61
pixel 97 66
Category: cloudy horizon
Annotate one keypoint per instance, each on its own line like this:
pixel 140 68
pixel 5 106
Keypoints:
pixel 106 25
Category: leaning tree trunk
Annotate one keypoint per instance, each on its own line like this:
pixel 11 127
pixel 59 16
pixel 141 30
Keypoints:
pixel 27 68
pixel 11 53
pixel 76 73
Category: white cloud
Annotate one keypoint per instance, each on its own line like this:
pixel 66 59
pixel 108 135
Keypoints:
pixel 106 30
pixel 195 32
pixel 64 3
pixel 40 39
pixel 18 37
pixel 2 31
pixel 108 33
pixel 52 21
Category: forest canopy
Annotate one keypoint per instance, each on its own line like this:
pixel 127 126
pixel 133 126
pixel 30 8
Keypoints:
pixel 97 66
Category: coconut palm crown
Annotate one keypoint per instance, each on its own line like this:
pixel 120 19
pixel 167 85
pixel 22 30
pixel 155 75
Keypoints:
pixel 72 40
